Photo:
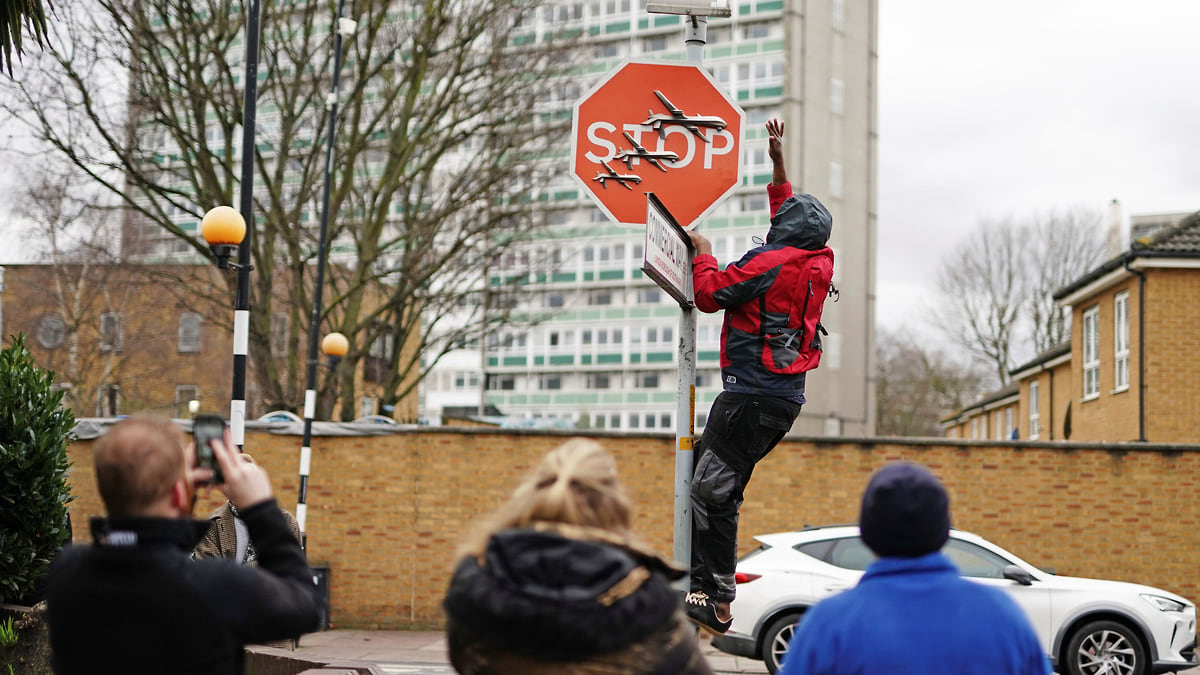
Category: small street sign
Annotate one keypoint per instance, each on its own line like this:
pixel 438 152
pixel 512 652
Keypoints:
pixel 668 252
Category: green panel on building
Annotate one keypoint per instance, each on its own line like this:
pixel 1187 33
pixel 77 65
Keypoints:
pixel 666 21
pixel 562 359
pixel 562 277
pixel 539 360
pixel 619 27
pixel 514 360
pixel 518 399
pixel 635 358
pixel 639 312
pixel 638 274
pixel 770 6
pixel 745 221
pixel 612 398
pixel 708 356
pixel 540 399
pixel 615 314
pixel 585 359
pixel 658 357
pixel 768 92
pixel 587 398
pixel 720 52
pixel 608 358
pixel 637 397
pixel 663 397
pixel 589 276
pixel 747 49
pixel 493 361
pixel 610 275
pixel 566 398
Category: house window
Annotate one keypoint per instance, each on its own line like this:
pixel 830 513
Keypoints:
pixel 554 300
pixel 184 395
pixel 189 333
pixel 1034 414
pixel 1121 341
pixel 838 18
pixel 999 428
pixel 550 382
pixel 377 363
pixel 974 428
pixel 108 400
pixel 837 96
pixel 599 381
pixel 1008 422
pixel 110 332
pixel 1091 353
pixel 50 331
pixel 646 380
pixel 600 298
pixel 502 382
pixel 835 179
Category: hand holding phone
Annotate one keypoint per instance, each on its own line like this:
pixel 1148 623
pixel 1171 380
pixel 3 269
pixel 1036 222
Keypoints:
pixel 206 428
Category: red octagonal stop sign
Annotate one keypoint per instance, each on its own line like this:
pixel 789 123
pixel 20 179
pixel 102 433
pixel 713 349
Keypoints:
pixel 661 128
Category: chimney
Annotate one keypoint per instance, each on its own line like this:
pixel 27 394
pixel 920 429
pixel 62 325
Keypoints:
pixel 1115 230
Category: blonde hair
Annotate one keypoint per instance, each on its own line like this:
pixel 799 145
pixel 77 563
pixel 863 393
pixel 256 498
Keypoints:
pixel 575 485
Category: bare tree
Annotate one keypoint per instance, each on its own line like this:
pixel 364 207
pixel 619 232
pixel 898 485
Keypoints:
pixel 440 148
pixel 995 289
pixel 917 385
pixel 1068 244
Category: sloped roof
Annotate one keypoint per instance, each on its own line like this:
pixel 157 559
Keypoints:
pixel 1048 355
pixel 1011 389
pixel 1180 241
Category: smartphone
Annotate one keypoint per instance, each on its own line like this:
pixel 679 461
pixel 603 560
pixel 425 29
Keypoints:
pixel 205 428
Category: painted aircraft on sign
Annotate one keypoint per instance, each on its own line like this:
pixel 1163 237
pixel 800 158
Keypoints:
pixel 638 152
pixel 657 121
pixel 623 179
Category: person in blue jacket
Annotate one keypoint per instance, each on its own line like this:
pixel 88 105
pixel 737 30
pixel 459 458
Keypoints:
pixel 912 613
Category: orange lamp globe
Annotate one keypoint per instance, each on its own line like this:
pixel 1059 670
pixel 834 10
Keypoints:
pixel 223 225
pixel 335 344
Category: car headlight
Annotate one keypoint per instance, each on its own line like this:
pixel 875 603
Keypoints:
pixel 1163 604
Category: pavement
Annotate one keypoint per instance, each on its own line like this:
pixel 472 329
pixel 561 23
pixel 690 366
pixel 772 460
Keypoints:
pixel 397 652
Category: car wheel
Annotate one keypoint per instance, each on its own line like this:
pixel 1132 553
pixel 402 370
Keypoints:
pixel 776 641
pixel 1105 647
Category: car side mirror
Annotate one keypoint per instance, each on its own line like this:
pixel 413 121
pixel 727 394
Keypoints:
pixel 1019 575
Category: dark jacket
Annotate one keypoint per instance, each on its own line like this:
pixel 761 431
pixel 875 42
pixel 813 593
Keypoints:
pixel 543 602
pixel 135 602
pixel 771 292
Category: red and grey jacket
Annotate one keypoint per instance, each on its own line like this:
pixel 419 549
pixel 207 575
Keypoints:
pixel 772 299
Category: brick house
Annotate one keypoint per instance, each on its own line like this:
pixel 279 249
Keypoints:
pixel 126 338
pixel 1131 371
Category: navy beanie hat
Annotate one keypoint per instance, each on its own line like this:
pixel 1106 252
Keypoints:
pixel 905 512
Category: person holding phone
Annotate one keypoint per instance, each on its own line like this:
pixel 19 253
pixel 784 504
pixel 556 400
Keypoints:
pixel 135 602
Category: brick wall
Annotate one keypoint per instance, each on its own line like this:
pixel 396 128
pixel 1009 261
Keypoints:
pixel 1172 353
pixel 386 512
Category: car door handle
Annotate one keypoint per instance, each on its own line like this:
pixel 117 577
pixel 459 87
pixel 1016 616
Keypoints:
pixel 836 587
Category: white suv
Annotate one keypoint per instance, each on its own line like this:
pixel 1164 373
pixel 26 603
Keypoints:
pixel 1087 626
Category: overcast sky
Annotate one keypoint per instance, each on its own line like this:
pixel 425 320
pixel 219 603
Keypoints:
pixel 992 109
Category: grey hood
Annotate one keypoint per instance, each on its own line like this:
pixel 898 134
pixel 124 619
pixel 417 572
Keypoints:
pixel 801 222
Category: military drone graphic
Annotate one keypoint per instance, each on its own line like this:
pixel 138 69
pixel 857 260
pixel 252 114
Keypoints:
pixel 657 121
pixel 653 157
pixel 624 179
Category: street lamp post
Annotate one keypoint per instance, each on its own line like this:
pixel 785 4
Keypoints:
pixel 225 230
pixel 334 346
pixel 345 27
pixel 241 306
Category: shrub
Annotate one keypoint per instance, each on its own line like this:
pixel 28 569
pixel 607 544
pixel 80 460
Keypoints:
pixel 34 432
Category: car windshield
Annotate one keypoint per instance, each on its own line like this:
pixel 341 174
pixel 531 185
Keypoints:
pixel 852 554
